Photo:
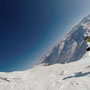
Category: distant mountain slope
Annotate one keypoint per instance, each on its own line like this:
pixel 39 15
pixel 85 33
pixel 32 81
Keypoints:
pixel 71 76
pixel 72 47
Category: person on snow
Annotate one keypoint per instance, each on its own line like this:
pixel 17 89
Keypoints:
pixel 87 39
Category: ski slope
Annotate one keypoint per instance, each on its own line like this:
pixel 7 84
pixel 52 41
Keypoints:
pixel 71 76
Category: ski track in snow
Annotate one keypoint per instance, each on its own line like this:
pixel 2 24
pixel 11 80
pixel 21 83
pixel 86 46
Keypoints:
pixel 71 76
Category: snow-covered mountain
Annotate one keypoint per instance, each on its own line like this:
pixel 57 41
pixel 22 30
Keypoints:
pixel 70 76
pixel 72 47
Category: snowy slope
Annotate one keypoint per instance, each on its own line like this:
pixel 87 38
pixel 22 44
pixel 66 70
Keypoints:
pixel 71 76
pixel 72 47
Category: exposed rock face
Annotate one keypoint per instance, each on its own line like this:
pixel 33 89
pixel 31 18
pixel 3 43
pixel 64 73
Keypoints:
pixel 72 47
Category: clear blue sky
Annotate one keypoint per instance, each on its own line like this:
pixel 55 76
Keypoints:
pixel 29 28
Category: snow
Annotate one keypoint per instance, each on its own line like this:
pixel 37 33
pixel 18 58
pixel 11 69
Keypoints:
pixel 70 76
pixel 74 75
pixel 68 48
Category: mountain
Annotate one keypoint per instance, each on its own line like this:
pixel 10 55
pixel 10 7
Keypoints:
pixel 70 76
pixel 72 47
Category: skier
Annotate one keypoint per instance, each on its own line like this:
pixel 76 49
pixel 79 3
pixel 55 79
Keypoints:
pixel 87 39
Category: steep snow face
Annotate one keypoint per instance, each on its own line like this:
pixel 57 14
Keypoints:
pixel 72 47
pixel 71 76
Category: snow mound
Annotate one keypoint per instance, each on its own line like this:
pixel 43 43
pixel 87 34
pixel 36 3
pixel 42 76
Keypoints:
pixel 71 76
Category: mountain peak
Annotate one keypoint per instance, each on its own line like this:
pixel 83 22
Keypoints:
pixel 72 47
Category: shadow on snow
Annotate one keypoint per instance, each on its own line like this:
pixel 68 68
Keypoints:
pixel 79 74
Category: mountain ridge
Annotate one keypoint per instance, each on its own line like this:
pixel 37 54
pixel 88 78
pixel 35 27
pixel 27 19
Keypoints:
pixel 72 47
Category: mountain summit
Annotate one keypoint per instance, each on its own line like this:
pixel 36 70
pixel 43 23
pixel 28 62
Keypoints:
pixel 72 47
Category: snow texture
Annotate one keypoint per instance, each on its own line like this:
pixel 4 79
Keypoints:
pixel 70 76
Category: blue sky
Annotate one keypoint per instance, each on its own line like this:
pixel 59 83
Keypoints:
pixel 29 28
